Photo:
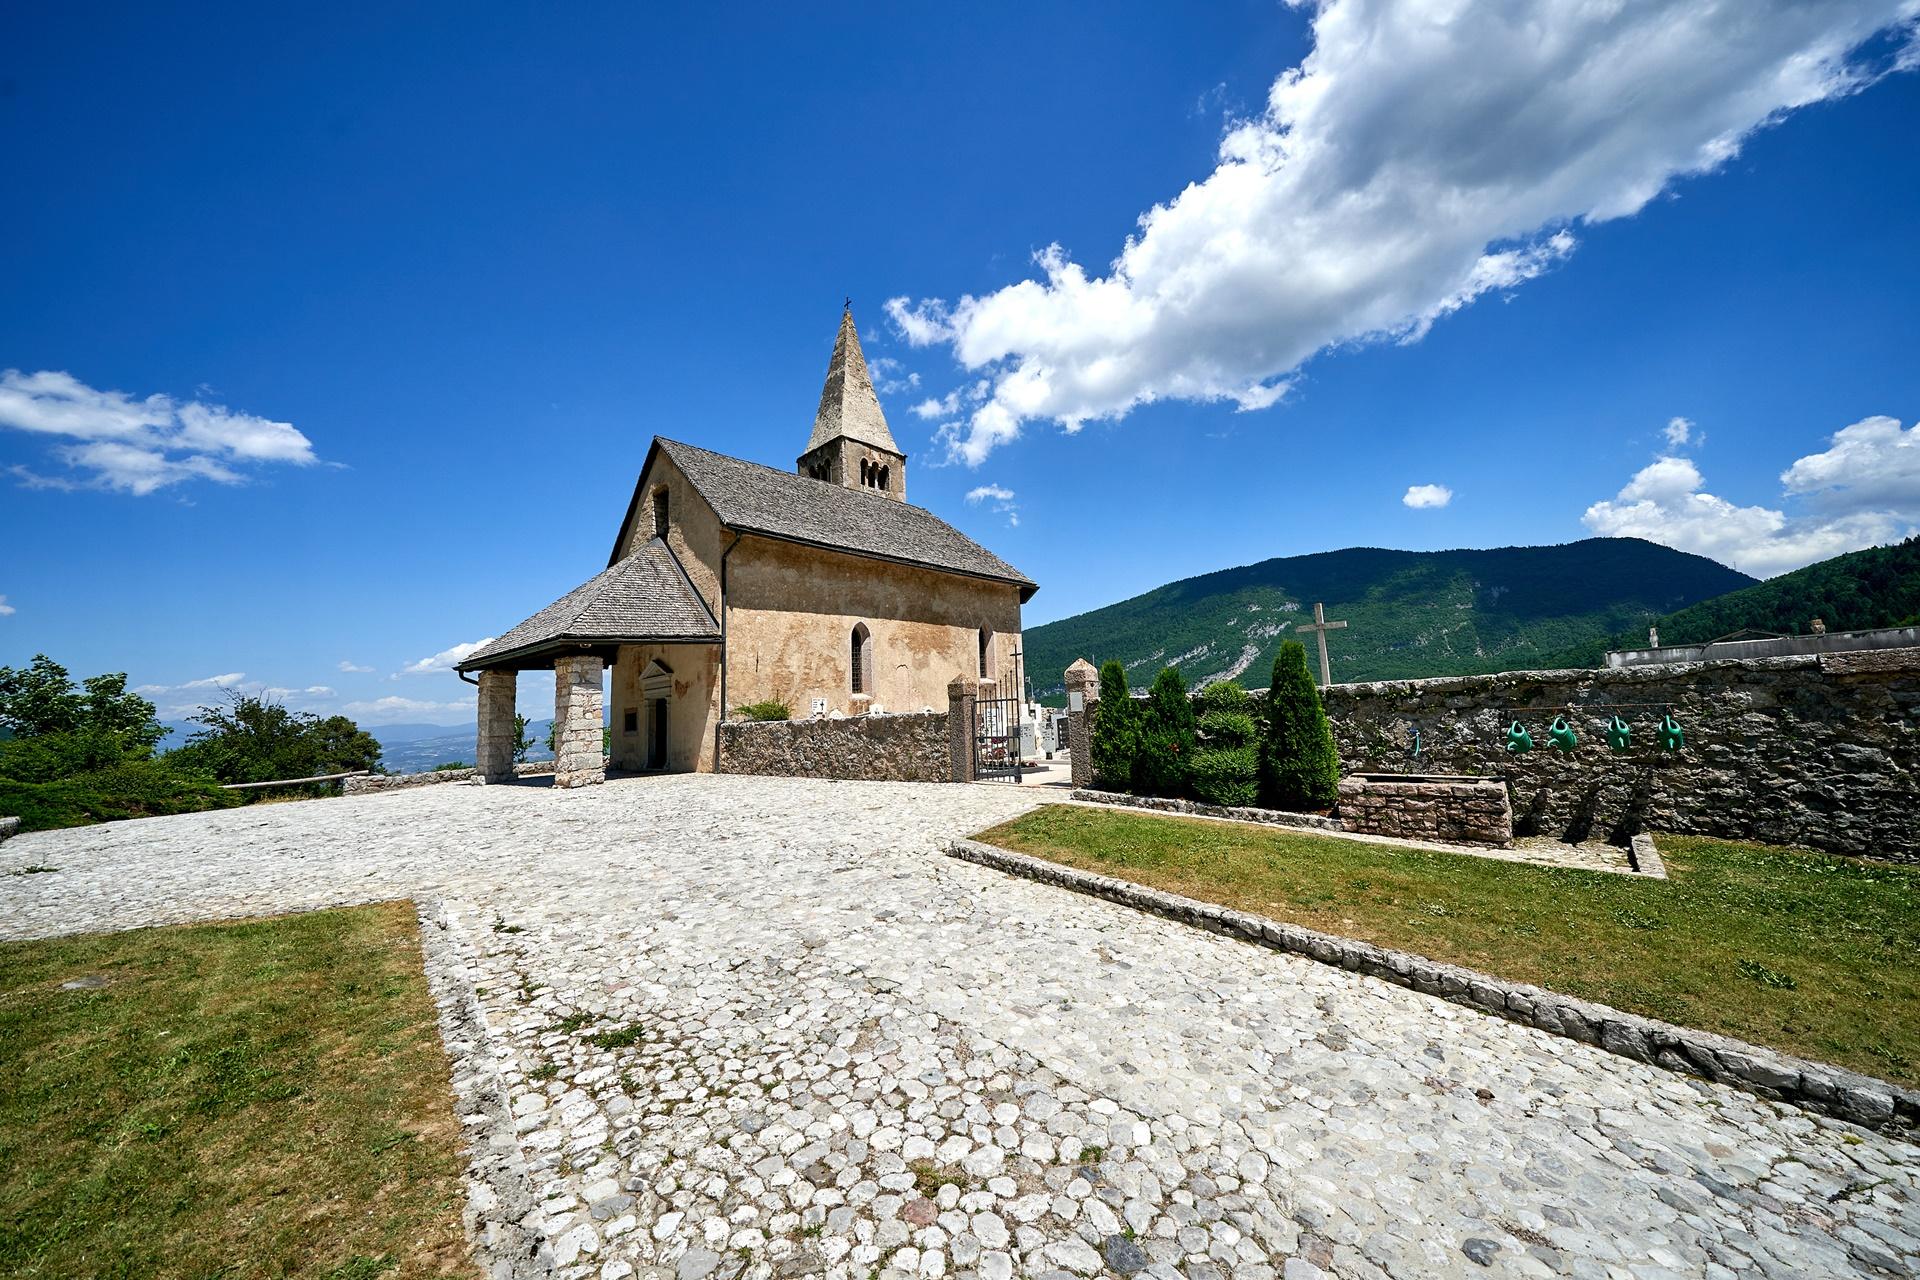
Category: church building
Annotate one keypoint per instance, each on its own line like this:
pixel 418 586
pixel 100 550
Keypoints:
pixel 731 583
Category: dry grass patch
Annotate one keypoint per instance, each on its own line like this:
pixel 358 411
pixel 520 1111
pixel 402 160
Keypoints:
pixel 1805 952
pixel 259 1098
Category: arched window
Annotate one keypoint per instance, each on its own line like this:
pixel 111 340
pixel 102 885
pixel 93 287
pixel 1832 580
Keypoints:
pixel 986 642
pixel 862 655
pixel 660 512
pixel 886 473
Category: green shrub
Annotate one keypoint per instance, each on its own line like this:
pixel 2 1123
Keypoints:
pixel 1224 717
pixel 1116 728
pixel 450 766
pixel 49 757
pixel 131 789
pixel 1163 764
pixel 1299 765
pixel 770 709
pixel 1229 775
pixel 255 739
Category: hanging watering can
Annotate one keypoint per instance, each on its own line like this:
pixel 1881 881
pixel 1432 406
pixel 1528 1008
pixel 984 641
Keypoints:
pixel 1561 734
pixel 1669 734
pixel 1519 741
pixel 1619 736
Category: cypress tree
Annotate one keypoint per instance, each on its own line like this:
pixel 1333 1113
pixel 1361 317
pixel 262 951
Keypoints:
pixel 1163 765
pixel 1115 730
pixel 1299 765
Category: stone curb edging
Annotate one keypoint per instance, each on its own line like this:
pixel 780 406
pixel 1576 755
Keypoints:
pixel 1834 1091
pixel 9 827
pixel 1236 813
pixel 500 1200
pixel 1646 858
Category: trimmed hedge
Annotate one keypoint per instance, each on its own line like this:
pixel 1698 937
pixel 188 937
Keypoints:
pixel 1116 730
pixel 1163 764
pixel 1299 764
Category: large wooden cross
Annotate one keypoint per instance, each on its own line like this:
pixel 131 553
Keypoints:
pixel 1320 626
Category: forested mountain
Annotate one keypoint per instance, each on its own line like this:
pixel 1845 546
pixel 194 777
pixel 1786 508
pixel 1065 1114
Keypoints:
pixel 1878 587
pixel 1408 613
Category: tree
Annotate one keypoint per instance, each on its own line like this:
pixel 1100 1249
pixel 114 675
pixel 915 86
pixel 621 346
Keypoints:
pixel 41 699
pixel 255 739
pixel 1299 765
pixel 1226 767
pixel 1115 729
pixel 1163 764
pixel 522 740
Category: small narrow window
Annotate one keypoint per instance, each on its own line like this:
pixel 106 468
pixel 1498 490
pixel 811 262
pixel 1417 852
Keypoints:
pixel 886 473
pixel 986 640
pixel 861 647
pixel 630 721
pixel 660 512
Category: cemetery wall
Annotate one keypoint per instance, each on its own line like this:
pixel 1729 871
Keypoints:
pixel 878 748
pixel 1817 750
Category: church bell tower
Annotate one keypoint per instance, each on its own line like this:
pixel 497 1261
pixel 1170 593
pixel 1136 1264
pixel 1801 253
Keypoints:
pixel 851 444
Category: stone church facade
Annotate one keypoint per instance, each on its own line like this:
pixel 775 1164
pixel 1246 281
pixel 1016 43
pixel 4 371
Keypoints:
pixel 732 583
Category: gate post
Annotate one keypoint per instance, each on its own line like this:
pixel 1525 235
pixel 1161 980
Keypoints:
pixel 1083 694
pixel 962 692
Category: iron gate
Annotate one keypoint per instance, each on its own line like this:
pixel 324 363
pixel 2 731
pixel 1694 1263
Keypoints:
pixel 996 738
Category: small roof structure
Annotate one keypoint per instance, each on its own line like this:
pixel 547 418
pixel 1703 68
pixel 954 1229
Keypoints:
pixel 848 405
pixel 644 599
pixel 750 498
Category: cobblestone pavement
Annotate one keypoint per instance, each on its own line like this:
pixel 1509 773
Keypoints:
pixel 752 1028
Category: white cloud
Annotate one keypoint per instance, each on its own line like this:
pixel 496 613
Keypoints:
pixel 944 407
pixel 6 610
pixel 1871 464
pixel 389 709
pixel 349 666
pixel 1001 499
pixel 890 377
pixel 1679 431
pixel 1865 489
pixel 1426 153
pixel 1423 496
pixel 138 446
pixel 445 659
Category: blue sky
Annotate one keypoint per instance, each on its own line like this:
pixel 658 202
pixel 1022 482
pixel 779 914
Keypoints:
pixel 336 336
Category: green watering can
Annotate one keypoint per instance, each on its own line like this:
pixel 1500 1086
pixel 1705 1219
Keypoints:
pixel 1669 734
pixel 1561 734
pixel 1519 741
pixel 1619 736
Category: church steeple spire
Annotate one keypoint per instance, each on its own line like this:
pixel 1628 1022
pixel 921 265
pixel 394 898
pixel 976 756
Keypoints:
pixel 851 443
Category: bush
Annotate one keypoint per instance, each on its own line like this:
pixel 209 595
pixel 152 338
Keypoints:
pixel 1227 775
pixel 131 789
pixel 1163 762
pixel 1116 727
pixel 1299 765
pixel 770 709
pixel 49 757
pixel 450 766
pixel 1225 717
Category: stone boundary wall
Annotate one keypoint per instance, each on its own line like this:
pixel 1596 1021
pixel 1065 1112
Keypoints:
pixel 9 827
pixel 1822 751
pixel 1454 810
pixel 1237 813
pixel 367 783
pixel 1834 1091
pixel 910 747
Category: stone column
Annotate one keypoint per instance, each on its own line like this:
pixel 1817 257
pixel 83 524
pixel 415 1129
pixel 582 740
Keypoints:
pixel 962 691
pixel 1082 679
pixel 577 723
pixel 493 753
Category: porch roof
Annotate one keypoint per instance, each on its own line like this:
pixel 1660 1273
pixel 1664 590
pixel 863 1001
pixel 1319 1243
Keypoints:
pixel 645 598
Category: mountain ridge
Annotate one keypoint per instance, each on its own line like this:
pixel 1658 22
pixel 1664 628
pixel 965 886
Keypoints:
pixel 1462 611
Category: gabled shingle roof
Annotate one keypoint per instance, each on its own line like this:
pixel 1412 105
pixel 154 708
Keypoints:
pixel 750 498
pixel 645 598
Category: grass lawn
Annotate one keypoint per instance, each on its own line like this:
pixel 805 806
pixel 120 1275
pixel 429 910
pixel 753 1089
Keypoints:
pixel 1808 953
pixel 260 1098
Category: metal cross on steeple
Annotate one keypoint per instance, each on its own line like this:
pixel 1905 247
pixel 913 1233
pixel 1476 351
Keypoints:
pixel 1320 626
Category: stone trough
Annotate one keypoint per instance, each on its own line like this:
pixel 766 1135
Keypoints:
pixel 1454 808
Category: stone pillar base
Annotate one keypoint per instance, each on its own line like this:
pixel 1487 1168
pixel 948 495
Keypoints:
pixel 493 752
pixel 1083 680
pixel 962 692
pixel 578 721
